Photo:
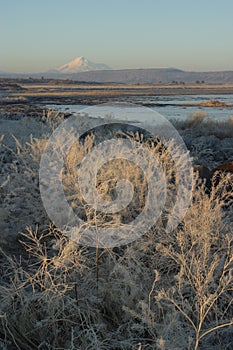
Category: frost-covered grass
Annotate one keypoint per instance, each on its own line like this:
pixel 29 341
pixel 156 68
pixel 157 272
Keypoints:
pixel 163 291
pixel 201 124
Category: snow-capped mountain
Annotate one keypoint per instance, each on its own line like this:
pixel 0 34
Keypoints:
pixel 81 64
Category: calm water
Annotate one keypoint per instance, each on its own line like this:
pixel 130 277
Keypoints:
pixel 170 112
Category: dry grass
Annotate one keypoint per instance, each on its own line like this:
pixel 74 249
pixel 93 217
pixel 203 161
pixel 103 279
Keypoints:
pixel 203 255
pixel 163 291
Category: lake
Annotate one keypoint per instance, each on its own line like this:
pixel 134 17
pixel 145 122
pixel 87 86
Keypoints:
pixel 169 106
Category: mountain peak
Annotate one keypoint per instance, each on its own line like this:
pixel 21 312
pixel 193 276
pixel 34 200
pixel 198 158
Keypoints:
pixel 81 64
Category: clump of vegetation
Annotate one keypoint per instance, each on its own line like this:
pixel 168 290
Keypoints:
pixel 201 125
pixel 213 103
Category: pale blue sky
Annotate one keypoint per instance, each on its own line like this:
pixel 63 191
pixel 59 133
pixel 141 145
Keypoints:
pixel 37 35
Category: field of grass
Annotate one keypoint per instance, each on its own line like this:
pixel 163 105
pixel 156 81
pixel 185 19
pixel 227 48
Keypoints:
pixel 164 291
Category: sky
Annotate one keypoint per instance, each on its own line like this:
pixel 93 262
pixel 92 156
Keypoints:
pixel 36 36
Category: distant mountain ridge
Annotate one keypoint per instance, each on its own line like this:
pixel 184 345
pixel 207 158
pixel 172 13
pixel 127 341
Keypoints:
pixel 154 75
pixel 83 70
